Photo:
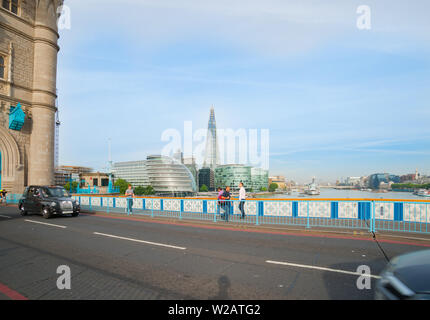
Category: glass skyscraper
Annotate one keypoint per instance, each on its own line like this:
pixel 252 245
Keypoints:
pixel 211 153
pixel 231 175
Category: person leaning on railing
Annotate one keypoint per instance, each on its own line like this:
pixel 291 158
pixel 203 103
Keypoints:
pixel 3 194
pixel 130 195
pixel 219 202
pixel 227 204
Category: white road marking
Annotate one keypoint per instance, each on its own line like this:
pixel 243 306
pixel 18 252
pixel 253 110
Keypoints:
pixel 5 216
pixel 46 224
pixel 321 268
pixel 140 241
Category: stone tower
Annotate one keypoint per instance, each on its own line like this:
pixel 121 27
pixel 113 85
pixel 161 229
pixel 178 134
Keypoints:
pixel 28 49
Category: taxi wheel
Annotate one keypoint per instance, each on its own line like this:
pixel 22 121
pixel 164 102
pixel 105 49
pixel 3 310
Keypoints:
pixel 46 213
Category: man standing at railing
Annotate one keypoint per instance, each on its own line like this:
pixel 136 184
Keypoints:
pixel 130 195
pixel 226 196
pixel 242 197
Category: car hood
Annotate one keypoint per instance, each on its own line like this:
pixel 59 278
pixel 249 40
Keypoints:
pixel 413 269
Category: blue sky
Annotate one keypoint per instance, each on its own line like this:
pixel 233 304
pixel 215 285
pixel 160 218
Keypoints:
pixel 338 101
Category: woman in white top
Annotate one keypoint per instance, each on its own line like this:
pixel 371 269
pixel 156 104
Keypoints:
pixel 242 197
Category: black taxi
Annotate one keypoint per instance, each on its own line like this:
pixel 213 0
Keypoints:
pixel 48 201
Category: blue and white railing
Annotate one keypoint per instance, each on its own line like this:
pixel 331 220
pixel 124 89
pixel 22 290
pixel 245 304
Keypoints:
pixel 366 214
pixel 371 215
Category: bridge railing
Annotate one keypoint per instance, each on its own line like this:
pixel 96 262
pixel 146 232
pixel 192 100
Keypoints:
pixel 371 215
pixel 13 198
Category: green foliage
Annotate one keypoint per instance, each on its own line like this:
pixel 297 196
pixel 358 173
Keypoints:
pixel 149 190
pixel 122 184
pixel 204 188
pixel 140 191
pixel 273 187
pixel 263 189
pixel 74 185
pixel 410 186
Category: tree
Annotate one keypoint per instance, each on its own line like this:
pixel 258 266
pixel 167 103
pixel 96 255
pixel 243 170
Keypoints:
pixel 204 188
pixel 122 184
pixel 74 186
pixel 138 191
pixel 273 187
pixel 263 189
pixel 149 190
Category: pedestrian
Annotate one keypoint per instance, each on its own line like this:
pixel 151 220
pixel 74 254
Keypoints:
pixel 242 198
pixel 219 203
pixel 130 195
pixel 3 194
pixel 227 197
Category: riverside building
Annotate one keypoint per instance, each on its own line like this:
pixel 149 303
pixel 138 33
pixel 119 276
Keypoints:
pixel 167 176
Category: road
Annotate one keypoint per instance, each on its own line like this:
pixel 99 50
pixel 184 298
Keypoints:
pixel 119 258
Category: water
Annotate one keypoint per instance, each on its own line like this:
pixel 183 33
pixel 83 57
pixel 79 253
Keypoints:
pixel 352 194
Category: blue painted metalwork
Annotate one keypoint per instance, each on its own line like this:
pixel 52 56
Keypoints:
pixel 366 215
pixel 334 210
pixel 16 118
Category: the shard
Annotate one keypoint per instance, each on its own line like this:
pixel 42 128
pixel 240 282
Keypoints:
pixel 211 153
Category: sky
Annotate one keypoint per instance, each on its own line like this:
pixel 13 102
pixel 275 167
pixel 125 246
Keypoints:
pixel 338 101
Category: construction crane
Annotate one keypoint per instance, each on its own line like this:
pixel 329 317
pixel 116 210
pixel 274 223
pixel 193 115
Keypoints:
pixel 110 188
pixel 109 167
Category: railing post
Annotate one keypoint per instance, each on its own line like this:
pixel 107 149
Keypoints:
pixel 307 219
pixel 258 212
pixel 90 203
pixel 372 218
pixel 152 208
pixel 216 210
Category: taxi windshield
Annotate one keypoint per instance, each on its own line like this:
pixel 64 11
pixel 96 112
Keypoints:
pixel 57 192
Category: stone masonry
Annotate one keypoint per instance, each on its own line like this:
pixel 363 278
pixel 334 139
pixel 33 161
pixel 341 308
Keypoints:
pixel 28 45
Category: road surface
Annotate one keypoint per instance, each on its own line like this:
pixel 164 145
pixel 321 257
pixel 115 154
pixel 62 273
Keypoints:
pixel 119 258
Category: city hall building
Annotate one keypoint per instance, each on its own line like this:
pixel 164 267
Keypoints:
pixel 28 70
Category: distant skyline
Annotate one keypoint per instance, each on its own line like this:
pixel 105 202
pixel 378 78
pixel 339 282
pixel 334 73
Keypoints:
pixel 338 101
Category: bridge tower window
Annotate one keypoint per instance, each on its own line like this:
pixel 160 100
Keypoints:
pixel 2 68
pixel 11 5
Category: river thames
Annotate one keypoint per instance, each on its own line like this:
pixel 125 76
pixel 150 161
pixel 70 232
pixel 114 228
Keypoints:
pixel 348 194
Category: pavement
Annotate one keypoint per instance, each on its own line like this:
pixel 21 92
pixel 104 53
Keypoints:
pixel 113 256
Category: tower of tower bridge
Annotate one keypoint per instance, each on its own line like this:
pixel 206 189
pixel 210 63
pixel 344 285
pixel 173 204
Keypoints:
pixel 28 72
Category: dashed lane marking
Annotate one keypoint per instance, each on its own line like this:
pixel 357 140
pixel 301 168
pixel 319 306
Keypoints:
pixel 47 224
pixel 140 241
pixel 321 268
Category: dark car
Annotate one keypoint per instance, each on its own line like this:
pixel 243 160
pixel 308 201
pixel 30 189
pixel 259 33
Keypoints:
pixel 406 277
pixel 48 201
